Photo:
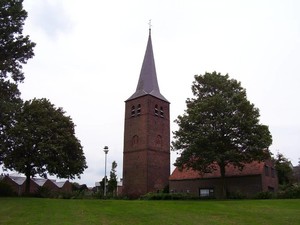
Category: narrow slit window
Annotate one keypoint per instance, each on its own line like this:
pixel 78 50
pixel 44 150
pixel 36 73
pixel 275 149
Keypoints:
pixel 135 140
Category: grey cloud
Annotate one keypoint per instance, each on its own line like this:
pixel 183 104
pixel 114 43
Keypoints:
pixel 51 18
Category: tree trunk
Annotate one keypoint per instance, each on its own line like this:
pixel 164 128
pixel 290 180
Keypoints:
pixel 27 183
pixel 223 182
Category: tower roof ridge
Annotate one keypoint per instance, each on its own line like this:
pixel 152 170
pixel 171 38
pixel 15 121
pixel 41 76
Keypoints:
pixel 148 83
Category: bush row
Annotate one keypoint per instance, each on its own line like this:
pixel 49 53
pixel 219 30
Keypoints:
pixel 168 196
pixel 288 192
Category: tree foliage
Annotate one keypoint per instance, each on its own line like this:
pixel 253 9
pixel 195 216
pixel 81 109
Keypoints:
pixel 219 127
pixel 10 103
pixel 15 48
pixel 102 182
pixel 284 169
pixel 43 141
pixel 113 181
pixel 296 172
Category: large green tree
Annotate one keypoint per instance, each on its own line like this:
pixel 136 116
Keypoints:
pixel 15 50
pixel 43 142
pixel 219 127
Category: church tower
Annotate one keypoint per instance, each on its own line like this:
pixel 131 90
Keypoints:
pixel 146 154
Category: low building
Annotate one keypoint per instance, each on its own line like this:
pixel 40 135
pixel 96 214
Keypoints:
pixel 254 178
pixel 45 183
pixel 18 184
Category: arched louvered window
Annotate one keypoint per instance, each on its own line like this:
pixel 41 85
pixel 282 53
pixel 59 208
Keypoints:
pixel 156 110
pixel 133 111
pixel 161 112
pixel 138 111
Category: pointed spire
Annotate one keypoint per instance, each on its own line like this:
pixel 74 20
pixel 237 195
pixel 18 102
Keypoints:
pixel 147 83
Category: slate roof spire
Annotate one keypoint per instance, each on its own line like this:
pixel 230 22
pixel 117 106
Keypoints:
pixel 147 84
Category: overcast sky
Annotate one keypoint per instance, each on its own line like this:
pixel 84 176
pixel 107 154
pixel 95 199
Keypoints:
pixel 89 55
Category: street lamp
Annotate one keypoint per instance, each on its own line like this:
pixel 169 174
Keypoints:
pixel 105 151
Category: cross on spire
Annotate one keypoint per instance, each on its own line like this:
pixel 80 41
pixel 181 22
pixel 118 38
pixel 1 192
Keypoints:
pixel 150 25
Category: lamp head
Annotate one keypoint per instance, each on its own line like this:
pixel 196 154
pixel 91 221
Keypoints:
pixel 105 149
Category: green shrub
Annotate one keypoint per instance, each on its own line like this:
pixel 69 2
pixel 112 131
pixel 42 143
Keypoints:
pixel 66 195
pixel 264 195
pixel 236 195
pixel 292 191
pixel 43 192
pixel 168 196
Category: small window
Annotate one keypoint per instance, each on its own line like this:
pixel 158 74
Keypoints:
pixel 161 112
pixel 156 110
pixel 206 192
pixel 133 111
pixel 267 173
pixel 138 112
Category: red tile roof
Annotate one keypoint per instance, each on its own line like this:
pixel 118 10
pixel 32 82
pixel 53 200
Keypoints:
pixel 253 168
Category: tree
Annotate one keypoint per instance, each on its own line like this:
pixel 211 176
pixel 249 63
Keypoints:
pixel 102 182
pixel 15 49
pixel 219 127
pixel 43 141
pixel 296 172
pixel 112 183
pixel 284 169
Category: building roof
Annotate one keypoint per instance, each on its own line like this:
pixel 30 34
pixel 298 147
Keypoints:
pixel 38 181
pixel 21 180
pixel 18 180
pixel 253 168
pixel 60 184
pixel 147 84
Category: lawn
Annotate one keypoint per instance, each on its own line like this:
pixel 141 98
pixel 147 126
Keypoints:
pixel 37 211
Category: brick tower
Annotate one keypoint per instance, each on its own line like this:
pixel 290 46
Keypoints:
pixel 146 155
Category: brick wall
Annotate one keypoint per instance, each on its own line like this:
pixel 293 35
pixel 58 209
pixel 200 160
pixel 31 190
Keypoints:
pixel 248 185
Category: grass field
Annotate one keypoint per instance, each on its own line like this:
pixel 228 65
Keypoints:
pixel 37 211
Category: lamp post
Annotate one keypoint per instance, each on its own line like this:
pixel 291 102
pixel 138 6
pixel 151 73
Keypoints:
pixel 105 151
